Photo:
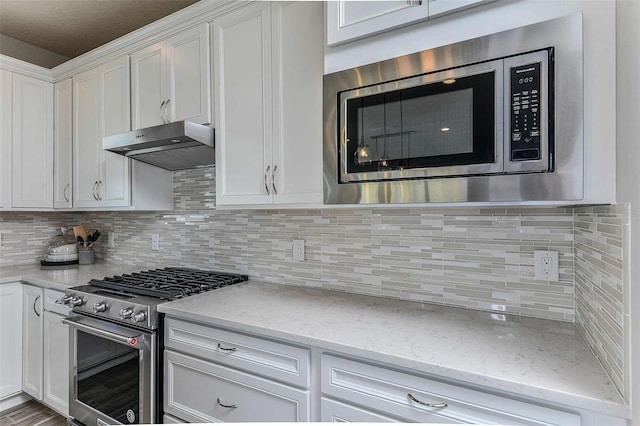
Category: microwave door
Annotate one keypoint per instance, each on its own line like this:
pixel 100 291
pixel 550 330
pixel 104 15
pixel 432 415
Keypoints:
pixel 442 124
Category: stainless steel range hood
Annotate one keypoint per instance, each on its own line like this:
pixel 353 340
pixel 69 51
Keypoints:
pixel 174 146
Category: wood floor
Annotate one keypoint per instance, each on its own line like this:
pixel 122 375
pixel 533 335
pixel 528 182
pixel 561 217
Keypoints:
pixel 32 413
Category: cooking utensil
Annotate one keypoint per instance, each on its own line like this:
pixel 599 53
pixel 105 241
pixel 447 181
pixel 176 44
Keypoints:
pixel 92 237
pixel 80 231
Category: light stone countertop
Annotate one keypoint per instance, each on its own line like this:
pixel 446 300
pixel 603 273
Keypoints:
pixel 543 359
pixel 60 279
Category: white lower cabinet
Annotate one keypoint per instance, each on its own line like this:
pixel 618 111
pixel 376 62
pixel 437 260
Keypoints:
pixel 201 391
pixel 418 399
pixel 32 342
pixel 11 338
pixel 56 348
pixel 338 412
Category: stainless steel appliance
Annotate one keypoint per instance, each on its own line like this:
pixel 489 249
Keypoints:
pixel 115 365
pixel 172 146
pixel 493 119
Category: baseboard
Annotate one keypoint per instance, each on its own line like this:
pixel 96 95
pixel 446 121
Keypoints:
pixel 13 401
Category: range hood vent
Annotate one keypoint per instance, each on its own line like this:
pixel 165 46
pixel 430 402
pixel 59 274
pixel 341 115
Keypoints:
pixel 174 146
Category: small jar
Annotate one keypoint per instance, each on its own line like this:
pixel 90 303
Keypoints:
pixel 86 255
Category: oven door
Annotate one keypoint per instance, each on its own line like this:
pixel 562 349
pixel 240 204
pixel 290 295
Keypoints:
pixel 442 124
pixel 111 368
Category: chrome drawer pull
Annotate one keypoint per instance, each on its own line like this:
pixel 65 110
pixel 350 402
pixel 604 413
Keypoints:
pixel 226 349
pixel 266 183
pixel 226 406
pixel 64 193
pixel 34 305
pixel 273 179
pixel 161 111
pixel 440 405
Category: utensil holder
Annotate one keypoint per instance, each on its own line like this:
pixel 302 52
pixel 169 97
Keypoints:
pixel 86 255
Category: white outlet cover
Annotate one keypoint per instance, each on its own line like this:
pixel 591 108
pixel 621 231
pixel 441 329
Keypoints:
pixel 546 265
pixel 155 242
pixel 298 250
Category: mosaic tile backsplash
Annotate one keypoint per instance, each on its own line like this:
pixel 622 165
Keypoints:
pixel 601 310
pixel 479 258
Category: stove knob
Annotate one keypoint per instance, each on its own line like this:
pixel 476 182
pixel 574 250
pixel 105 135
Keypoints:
pixel 76 301
pixel 100 307
pixel 139 316
pixel 126 313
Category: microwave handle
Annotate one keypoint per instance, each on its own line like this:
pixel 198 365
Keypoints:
pixel 133 341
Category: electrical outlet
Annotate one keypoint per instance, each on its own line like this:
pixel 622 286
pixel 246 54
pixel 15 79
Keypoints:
pixel 155 242
pixel 298 250
pixel 111 240
pixel 546 265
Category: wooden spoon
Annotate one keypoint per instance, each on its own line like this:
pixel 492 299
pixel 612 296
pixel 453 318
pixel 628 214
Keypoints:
pixel 80 231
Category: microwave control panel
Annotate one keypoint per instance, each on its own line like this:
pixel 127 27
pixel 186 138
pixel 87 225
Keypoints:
pixel 525 112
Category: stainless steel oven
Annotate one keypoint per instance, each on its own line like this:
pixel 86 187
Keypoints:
pixel 116 342
pixel 491 119
pixel 111 376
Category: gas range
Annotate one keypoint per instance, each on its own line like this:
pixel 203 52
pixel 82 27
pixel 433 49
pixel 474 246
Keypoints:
pixel 132 299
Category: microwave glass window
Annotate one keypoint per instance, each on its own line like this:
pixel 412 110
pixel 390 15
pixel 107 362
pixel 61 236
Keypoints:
pixel 439 124
pixel 108 377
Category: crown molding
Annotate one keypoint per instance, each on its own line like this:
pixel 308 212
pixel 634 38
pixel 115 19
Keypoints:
pixel 198 13
pixel 25 68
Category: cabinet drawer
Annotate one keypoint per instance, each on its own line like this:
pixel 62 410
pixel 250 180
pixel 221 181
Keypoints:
pixel 337 412
pixel 282 362
pixel 392 392
pixel 196 390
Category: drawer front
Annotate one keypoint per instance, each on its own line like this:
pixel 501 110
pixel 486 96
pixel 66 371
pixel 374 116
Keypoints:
pixel 200 391
pixel 285 363
pixel 337 412
pixel 404 395
pixel 50 298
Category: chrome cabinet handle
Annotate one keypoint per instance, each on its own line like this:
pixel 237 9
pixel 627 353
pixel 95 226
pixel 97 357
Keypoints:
pixel 34 305
pixel 161 117
pixel 440 405
pixel 64 193
pixel 273 180
pixel 166 111
pixel 95 184
pixel 226 349
pixel 266 183
pixel 225 405
pixel 99 188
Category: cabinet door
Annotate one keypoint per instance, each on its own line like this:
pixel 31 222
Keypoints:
pixel 437 7
pixel 32 335
pixel 298 58
pixel 11 338
pixel 63 145
pixel 349 20
pixel 86 135
pixel 148 77
pixel 32 143
pixel 189 76
pixel 242 76
pixel 114 112
pixel 56 363
pixel 5 139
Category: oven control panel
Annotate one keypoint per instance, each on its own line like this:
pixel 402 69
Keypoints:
pixel 525 112
pixel 114 308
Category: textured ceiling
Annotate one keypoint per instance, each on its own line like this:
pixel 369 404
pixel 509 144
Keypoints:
pixel 73 27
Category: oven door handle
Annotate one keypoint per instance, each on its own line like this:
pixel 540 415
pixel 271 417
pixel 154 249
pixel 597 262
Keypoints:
pixel 133 341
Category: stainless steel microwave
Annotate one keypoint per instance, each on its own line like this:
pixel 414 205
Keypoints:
pixel 493 119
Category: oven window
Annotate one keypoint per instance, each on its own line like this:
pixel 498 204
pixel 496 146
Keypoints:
pixel 449 123
pixel 109 377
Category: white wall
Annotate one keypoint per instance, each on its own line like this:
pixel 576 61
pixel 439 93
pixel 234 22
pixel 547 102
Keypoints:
pixel 29 53
pixel 599 33
pixel 628 168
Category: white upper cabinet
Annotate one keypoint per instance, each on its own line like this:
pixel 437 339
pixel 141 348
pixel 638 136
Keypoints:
pixel 32 143
pixel 349 20
pixel 5 137
pixel 268 89
pixel 63 144
pixel 101 108
pixel 170 80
